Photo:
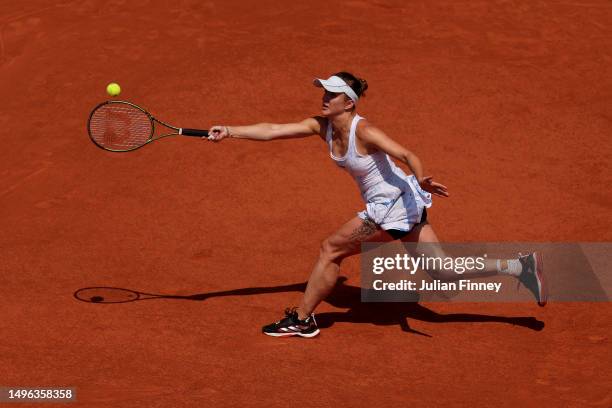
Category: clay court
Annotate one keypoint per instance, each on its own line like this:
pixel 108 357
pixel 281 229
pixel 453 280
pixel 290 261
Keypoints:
pixel 506 102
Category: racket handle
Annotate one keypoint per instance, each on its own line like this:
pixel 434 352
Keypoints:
pixel 193 132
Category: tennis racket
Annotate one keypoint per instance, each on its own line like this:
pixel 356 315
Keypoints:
pixel 120 126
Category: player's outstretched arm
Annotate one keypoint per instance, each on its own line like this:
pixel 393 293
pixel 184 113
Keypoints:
pixel 267 131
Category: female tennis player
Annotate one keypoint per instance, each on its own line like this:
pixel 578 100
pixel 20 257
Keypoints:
pixel 395 203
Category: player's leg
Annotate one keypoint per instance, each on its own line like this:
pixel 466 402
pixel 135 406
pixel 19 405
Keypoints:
pixel 430 247
pixel 346 241
pixel 527 268
pixel 343 243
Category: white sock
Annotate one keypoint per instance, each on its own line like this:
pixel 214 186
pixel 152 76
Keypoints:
pixel 514 267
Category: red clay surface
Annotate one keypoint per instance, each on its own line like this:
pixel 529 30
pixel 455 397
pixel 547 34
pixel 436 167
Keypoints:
pixel 506 102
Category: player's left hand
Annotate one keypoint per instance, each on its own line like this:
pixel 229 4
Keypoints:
pixel 432 187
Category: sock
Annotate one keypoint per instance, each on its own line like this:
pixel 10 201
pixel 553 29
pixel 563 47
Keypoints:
pixel 514 267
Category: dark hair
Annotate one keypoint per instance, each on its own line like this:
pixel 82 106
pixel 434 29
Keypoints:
pixel 358 85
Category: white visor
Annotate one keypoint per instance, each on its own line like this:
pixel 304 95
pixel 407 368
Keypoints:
pixel 336 85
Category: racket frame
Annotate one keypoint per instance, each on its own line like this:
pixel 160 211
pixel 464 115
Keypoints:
pixel 152 119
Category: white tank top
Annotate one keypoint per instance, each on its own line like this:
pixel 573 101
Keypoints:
pixel 378 178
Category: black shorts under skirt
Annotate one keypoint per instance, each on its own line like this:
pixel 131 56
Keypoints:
pixel 399 234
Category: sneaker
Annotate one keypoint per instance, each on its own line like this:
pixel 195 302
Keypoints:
pixel 532 276
pixel 290 325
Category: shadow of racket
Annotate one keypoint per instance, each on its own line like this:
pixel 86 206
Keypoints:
pixel 105 294
pixel 109 294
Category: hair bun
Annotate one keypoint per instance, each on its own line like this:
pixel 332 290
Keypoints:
pixel 357 84
pixel 364 85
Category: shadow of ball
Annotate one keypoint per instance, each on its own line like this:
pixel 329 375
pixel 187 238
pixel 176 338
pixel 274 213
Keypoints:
pixel 96 299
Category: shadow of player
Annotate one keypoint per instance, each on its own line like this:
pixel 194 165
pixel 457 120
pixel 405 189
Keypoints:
pixel 390 313
pixel 349 297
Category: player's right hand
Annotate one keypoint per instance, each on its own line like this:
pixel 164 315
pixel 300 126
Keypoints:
pixel 218 133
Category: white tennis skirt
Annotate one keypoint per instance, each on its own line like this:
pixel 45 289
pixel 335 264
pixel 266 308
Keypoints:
pixel 399 213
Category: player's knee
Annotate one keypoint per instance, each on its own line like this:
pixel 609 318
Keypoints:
pixel 327 249
pixel 330 252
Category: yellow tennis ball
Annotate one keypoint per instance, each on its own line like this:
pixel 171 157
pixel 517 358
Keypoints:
pixel 113 89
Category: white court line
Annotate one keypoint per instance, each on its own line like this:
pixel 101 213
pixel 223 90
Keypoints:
pixel 23 180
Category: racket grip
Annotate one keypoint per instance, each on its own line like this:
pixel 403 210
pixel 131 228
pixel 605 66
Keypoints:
pixel 193 132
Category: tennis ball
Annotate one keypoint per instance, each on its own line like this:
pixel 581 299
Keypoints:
pixel 113 89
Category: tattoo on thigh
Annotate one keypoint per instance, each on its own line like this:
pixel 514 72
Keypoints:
pixel 361 233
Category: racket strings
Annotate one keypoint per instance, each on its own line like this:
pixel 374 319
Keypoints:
pixel 120 127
